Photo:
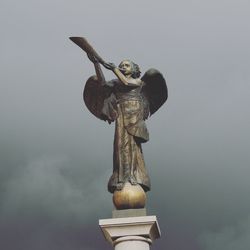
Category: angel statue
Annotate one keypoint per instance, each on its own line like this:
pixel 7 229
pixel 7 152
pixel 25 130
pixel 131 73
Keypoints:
pixel 127 100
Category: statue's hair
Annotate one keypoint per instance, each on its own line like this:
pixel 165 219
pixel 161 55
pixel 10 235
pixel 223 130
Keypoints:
pixel 135 68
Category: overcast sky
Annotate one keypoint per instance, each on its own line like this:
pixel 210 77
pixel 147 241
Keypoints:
pixel 56 157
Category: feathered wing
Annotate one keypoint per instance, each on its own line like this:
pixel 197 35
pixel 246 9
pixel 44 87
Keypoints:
pixel 99 99
pixel 154 90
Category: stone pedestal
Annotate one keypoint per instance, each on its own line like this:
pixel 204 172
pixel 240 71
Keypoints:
pixel 130 233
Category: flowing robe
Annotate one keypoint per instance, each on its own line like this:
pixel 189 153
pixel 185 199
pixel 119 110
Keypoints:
pixel 126 107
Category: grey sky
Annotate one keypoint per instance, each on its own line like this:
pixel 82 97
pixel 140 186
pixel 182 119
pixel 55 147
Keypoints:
pixel 52 148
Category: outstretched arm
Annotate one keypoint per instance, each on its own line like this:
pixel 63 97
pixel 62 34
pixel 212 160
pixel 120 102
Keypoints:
pixel 98 70
pixel 99 73
pixel 126 81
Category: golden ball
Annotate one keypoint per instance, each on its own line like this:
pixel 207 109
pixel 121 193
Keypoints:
pixel 130 197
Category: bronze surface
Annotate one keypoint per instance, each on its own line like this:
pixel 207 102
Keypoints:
pixel 127 100
pixel 130 197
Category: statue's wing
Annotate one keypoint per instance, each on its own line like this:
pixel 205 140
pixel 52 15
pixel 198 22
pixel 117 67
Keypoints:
pixel 94 96
pixel 154 90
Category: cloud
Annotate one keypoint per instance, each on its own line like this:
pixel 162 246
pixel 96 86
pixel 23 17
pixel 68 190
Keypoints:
pixel 228 238
pixel 56 158
pixel 44 188
pixel 44 204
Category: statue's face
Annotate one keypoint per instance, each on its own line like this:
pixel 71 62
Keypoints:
pixel 126 67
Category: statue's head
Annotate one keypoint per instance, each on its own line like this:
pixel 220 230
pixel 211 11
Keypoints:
pixel 129 67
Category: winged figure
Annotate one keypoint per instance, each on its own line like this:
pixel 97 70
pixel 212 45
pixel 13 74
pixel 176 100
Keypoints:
pixel 128 100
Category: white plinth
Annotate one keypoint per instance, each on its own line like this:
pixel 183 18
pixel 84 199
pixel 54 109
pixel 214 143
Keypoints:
pixel 133 233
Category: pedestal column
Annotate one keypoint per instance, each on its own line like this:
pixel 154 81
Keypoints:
pixel 132 242
pixel 130 233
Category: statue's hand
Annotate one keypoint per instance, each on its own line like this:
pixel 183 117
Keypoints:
pixel 109 66
pixel 92 58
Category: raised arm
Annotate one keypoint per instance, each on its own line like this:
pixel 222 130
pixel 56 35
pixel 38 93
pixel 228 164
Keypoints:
pixel 99 73
pixel 98 70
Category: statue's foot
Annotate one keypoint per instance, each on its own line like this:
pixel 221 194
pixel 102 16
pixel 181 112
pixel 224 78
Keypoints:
pixel 133 181
pixel 119 186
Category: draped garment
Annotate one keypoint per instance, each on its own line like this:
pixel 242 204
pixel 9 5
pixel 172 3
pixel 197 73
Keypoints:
pixel 127 109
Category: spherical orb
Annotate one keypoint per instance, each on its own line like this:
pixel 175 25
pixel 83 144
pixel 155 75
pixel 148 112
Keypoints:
pixel 130 197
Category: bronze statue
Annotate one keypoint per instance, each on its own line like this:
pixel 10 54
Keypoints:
pixel 128 100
